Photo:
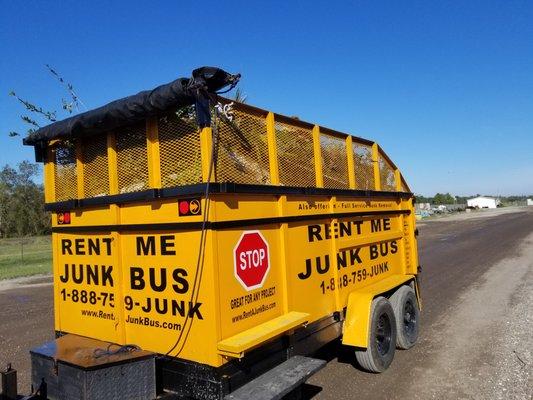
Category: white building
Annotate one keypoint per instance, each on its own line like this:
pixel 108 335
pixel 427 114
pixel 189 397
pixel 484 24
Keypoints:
pixel 483 202
pixel 530 202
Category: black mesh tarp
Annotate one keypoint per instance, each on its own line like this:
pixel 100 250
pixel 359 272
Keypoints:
pixel 179 93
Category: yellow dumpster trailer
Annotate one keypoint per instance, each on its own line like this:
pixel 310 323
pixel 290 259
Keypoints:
pixel 204 248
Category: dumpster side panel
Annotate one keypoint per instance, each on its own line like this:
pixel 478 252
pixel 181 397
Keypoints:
pixel 135 286
pixel 323 259
pixel 328 257
pixel 87 285
pixel 140 282
pixel 169 301
pixel 241 307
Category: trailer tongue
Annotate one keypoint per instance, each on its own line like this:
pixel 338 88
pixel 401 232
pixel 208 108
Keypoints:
pixel 205 248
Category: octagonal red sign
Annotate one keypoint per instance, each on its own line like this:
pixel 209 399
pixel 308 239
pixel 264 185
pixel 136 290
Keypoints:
pixel 251 260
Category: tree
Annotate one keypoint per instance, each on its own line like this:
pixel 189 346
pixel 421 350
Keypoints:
pixel 462 199
pixel 423 199
pixel 22 202
pixel 441 198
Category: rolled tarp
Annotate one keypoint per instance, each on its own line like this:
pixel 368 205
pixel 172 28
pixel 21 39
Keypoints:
pixel 128 110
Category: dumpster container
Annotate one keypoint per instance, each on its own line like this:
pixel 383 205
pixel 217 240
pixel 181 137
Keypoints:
pixel 228 241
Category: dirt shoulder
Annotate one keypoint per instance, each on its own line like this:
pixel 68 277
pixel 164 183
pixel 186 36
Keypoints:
pixel 26 321
pixel 482 348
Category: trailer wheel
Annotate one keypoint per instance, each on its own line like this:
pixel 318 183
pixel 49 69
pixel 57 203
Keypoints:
pixel 407 315
pixel 381 338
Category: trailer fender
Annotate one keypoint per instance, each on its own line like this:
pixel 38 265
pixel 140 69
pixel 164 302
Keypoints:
pixel 356 324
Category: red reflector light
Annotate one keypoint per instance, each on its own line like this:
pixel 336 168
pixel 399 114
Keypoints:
pixel 63 218
pixel 189 207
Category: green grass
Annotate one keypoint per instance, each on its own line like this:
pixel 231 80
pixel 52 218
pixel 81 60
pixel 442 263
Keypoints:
pixel 25 256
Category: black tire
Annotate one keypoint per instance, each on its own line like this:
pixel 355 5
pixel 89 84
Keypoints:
pixel 407 314
pixel 381 338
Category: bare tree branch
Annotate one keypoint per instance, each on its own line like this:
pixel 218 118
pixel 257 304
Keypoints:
pixel 76 101
pixel 30 121
pixel 49 115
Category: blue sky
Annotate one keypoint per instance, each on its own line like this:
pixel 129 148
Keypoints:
pixel 446 87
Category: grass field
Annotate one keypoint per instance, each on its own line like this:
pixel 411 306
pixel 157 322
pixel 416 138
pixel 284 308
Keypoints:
pixel 25 256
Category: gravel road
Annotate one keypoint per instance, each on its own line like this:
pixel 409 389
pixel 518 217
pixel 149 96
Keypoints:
pixel 476 322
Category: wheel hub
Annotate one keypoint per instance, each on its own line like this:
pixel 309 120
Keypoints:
pixel 409 319
pixel 383 334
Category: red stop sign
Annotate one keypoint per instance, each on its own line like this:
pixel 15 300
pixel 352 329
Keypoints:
pixel 251 260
